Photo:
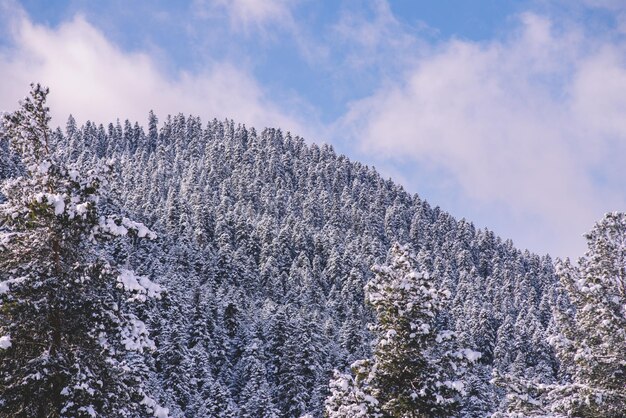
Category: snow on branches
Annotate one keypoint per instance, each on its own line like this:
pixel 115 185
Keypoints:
pixel 417 366
pixel 66 323
pixel 590 336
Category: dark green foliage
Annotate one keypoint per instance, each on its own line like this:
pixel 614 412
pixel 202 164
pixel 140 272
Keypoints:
pixel 417 368
pixel 63 303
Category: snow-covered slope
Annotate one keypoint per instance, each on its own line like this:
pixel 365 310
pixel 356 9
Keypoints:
pixel 265 244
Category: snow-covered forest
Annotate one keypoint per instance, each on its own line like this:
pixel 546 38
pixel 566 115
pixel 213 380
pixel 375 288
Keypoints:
pixel 207 269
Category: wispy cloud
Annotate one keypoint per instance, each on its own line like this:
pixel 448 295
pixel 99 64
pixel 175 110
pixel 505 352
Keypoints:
pixel 248 15
pixel 524 133
pixel 373 37
pixel 605 4
pixel 268 21
pixel 92 78
pixel 529 123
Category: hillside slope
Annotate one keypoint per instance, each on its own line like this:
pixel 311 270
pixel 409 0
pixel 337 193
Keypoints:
pixel 265 245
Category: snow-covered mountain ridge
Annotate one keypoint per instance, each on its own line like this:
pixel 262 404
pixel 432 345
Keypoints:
pixel 265 245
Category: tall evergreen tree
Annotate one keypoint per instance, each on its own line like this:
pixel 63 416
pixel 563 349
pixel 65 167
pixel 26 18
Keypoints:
pixel 417 367
pixel 590 337
pixel 66 326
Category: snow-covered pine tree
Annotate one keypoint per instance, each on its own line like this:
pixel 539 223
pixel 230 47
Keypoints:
pixel 590 338
pixel 256 400
pixel 350 396
pixel 66 331
pixel 417 366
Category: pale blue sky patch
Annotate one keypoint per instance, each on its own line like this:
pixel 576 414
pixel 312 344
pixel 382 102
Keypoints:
pixel 508 113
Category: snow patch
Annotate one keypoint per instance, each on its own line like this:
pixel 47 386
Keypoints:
pixel 445 335
pixel 89 410
pixel 5 342
pixel 143 286
pixel 109 225
pixel 82 208
pixel 4 286
pixel 58 201
pixel 142 230
pixel 457 385
pixel 73 174
pixel 44 167
pixel 471 355
pixel 157 410
pixel 135 336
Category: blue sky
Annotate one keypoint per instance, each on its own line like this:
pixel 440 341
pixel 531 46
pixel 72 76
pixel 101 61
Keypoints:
pixel 508 113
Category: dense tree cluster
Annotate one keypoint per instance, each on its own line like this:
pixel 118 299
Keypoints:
pixel 589 335
pixel 267 243
pixel 266 246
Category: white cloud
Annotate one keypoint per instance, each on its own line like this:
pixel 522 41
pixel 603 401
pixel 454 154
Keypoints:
pixel 376 40
pixel 94 79
pixel 270 21
pixel 530 125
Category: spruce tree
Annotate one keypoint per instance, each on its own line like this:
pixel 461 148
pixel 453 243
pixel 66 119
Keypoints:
pixel 67 333
pixel 417 367
pixel 590 336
